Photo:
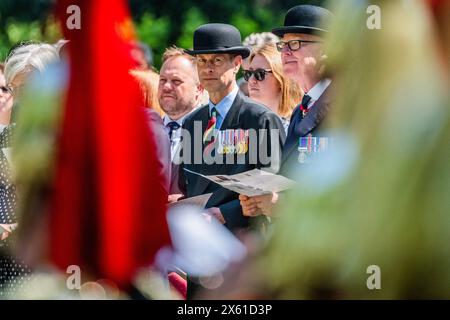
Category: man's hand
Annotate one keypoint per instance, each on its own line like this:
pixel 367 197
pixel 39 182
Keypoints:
pixel 215 212
pixel 254 206
pixel 249 205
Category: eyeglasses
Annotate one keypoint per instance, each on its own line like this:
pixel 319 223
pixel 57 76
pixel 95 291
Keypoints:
pixel 5 90
pixel 260 74
pixel 293 45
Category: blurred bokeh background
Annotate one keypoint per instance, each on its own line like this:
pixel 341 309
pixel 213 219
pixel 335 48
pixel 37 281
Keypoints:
pixel 159 23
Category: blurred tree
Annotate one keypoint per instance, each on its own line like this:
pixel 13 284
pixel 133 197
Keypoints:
pixel 185 16
pixel 158 23
pixel 24 20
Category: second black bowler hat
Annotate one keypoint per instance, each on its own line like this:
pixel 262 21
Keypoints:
pixel 304 19
pixel 218 38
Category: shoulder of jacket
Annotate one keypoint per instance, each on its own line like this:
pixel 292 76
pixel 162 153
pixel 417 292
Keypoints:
pixel 195 113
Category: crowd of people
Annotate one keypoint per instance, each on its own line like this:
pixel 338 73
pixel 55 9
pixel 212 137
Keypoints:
pixel 356 117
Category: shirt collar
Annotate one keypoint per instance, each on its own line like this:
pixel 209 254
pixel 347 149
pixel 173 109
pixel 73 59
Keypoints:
pixel 318 89
pixel 225 104
pixel 167 120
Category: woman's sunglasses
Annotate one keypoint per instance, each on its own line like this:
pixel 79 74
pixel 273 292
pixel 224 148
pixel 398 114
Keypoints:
pixel 260 74
pixel 5 90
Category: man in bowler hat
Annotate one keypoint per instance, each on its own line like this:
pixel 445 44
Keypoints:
pixel 303 59
pixel 225 122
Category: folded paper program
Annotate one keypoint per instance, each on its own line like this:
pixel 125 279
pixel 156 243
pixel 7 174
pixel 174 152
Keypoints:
pixel 251 183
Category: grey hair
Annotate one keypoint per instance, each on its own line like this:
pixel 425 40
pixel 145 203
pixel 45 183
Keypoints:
pixel 28 58
pixel 60 44
pixel 256 40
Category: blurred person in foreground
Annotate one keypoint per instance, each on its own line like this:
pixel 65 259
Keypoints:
pixel 374 211
pixel 105 207
pixel 22 61
pixel 35 168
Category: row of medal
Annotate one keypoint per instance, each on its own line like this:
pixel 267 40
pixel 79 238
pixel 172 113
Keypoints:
pixel 232 141
pixel 309 144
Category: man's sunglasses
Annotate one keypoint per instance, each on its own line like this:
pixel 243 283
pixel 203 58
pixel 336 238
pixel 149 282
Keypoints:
pixel 293 45
pixel 260 74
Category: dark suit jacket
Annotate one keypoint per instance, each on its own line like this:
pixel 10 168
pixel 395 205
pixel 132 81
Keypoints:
pixel 244 114
pixel 310 124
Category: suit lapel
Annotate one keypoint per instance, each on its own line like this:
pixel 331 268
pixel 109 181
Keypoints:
pixel 306 125
pixel 203 116
pixel 231 121
pixel 290 134
pixel 232 118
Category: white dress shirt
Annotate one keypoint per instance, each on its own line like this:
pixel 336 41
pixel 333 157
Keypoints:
pixel 176 134
pixel 316 91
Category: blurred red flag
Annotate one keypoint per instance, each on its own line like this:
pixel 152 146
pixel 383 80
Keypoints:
pixel 108 207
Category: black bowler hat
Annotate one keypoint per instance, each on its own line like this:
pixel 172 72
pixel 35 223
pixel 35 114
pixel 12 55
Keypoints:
pixel 304 19
pixel 218 38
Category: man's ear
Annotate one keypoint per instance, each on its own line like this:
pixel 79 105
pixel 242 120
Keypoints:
pixel 200 88
pixel 237 63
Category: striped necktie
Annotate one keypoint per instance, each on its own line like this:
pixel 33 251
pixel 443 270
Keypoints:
pixel 209 135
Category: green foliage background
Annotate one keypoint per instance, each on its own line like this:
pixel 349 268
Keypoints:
pixel 158 23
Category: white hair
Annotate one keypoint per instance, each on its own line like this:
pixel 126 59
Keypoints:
pixel 255 40
pixel 61 43
pixel 29 58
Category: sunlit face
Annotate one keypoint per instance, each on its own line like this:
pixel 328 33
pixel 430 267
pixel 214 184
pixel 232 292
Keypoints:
pixel 178 90
pixel 6 98
pixel 304 62
pixel 217 72
pixel 267 90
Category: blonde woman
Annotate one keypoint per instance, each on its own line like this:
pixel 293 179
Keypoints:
pixel 148 81
pixel 268 85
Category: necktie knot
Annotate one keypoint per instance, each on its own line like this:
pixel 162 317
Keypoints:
pixel 213 112
pixel 209 133
pixel 304 104
pixel 173 126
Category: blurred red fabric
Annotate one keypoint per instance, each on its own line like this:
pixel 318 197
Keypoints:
pixel 108 206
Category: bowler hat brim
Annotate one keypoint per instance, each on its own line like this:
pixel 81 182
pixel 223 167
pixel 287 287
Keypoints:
pixel 281 31
pixel 242 51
